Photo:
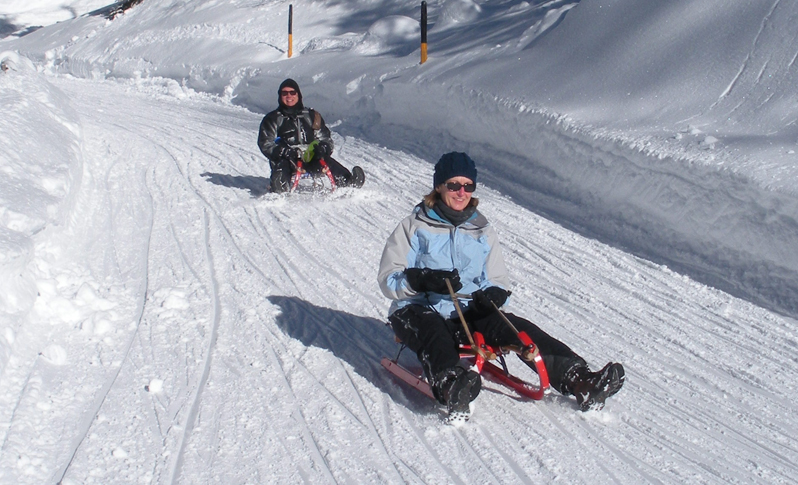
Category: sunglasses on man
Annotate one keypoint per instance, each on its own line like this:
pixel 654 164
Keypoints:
pixel 287 92
pixel 456 186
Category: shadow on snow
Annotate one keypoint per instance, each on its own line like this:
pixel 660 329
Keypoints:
pixel 256 186
pixel 360 341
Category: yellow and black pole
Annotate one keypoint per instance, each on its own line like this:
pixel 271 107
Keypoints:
pixel 423 32
pixel 290 29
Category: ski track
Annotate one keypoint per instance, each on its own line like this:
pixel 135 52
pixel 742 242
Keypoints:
pixel 263 320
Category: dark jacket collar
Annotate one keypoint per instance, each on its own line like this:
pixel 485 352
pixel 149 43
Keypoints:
pixel 475 221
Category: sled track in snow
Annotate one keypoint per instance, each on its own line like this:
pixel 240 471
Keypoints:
pixel 206 366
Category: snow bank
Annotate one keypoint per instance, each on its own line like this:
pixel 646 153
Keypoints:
pixel 40 160
pixel 20 16
pixel 393 35
pixel 458 11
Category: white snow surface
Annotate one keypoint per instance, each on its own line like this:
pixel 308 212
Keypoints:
pixel 165 319
pixel 18 17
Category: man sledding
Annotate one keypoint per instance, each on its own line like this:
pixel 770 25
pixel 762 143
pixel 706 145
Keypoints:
pixel 296 140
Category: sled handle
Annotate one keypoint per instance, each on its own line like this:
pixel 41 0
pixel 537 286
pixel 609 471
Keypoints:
pixel 487 355
pixel 504 317
pixel 531 351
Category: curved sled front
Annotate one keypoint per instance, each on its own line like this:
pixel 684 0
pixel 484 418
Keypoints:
pixel 528 352
pixel 521 387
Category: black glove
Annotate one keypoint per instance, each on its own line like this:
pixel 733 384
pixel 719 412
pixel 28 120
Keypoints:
pixel 289 153
pixel 481 300
pixel 425 280
pixel 322 150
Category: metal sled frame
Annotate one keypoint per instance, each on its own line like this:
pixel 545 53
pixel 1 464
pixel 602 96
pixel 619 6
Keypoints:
pixel 484 367
pixel 302 173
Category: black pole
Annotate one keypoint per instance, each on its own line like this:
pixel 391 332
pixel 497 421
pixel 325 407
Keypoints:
pixel 423 32
pixel 290 29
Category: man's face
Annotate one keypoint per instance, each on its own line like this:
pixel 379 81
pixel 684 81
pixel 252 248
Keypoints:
pixel 289 96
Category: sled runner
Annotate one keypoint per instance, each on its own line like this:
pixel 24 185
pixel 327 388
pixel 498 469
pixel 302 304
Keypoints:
pixel 480 356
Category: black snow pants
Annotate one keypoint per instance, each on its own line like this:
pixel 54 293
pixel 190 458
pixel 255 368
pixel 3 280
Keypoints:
pixel 436 340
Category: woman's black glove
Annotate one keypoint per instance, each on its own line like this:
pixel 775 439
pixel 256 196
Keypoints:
pixel 425 280
pixel 482 300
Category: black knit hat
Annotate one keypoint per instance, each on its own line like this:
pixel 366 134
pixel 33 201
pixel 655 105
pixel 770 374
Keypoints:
pixel 454 164
pixel 289 83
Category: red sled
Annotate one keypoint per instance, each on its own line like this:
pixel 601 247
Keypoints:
pixel 481 361
pixel 317 178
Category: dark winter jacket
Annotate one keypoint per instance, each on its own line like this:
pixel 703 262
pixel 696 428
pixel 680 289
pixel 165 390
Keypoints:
pixel 295 127
pixel 427 240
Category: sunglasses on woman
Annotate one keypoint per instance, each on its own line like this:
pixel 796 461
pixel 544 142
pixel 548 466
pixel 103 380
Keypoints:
pixel 456 186
pixel 288 92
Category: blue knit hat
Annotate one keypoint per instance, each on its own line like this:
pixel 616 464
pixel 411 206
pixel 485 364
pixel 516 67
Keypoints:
pixel 454 164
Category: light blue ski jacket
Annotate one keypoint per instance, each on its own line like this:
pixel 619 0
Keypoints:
pixel 426 240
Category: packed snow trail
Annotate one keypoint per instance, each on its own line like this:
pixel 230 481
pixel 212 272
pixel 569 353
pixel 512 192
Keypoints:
pixel 256 328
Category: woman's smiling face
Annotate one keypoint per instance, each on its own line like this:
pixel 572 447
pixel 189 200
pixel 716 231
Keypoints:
pixel 456 199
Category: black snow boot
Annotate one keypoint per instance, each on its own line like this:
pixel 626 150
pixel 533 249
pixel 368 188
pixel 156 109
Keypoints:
pixel 358 177
pixel 279 181
pixel 593 388
pixel 458 387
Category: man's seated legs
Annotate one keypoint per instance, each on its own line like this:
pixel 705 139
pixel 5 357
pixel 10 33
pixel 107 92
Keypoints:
pixel 282 170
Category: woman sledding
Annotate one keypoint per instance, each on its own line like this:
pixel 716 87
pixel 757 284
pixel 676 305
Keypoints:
pixel 447 238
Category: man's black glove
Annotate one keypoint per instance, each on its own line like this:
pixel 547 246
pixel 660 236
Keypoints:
pixel 481 300
pixel 289 153
pixel 322 150
pixel 425 280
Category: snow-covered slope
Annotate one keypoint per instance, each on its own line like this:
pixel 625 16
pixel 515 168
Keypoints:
pixel 20 17
pixel 686 111
pixel 161 324
pixel 195 334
